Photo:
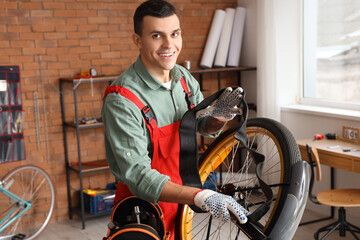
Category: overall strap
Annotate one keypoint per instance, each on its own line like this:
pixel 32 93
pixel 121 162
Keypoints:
pixel 124 92
pixel 188 94
pixel 145 110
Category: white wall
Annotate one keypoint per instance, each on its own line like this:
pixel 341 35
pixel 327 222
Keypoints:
pixel 302 124
pixel 248 50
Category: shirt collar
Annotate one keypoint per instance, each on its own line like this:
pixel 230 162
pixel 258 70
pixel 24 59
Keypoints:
pixel 149 79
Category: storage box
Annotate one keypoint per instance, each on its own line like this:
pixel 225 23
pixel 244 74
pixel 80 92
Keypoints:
pixel 99 202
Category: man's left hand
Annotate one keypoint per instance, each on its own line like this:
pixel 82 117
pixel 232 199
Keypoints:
pixel 225 107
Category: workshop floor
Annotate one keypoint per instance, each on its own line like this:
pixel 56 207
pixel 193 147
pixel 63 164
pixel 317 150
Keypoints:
pixel 96 229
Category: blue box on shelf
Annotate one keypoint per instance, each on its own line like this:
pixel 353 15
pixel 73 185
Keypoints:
pixel 98 201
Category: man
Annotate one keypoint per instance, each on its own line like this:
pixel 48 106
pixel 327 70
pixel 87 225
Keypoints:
pixel 142 112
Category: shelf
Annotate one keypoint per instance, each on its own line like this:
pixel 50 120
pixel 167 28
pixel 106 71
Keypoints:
pixel 89 167
pixel 201 71
pixel 88 215
pixel 84 126
pixel 89 80
pixel 217 70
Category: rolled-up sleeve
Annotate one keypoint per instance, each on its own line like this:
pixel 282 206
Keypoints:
pixel 127 137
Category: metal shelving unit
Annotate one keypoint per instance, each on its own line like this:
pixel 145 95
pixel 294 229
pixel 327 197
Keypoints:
pixel 78 167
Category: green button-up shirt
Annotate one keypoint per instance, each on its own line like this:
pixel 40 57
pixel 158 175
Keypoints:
pixel 127 139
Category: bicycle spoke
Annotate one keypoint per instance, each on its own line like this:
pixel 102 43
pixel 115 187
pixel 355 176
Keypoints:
pixel 33 185
pixel 230 168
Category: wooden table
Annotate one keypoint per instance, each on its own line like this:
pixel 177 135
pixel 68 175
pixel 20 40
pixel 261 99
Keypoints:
pixel 332 154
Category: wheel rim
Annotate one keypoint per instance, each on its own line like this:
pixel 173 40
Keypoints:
pixel 33 185
pixel 194 225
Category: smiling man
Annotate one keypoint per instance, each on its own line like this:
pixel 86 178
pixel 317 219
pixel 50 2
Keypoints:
pixel 142 111
pixel 160 44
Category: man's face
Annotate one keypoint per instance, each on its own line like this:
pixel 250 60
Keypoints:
pixel 160 43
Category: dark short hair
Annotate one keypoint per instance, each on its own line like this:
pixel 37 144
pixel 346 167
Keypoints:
pixel 154 8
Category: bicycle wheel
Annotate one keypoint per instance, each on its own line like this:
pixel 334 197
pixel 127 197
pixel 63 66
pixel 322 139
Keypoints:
pixel 32 184
pixel 227 167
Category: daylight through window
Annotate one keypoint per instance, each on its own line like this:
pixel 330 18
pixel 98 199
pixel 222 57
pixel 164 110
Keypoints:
pixel 332 52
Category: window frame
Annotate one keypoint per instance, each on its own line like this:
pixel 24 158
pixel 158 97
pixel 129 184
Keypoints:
pixel 306 18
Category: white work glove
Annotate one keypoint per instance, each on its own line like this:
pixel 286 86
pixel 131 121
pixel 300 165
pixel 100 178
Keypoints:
pixel 219 205
pixel 225 107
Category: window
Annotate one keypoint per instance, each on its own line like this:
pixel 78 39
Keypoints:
pixel 331 53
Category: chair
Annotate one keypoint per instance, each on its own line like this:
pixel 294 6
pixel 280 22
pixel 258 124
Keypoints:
pixel 340 198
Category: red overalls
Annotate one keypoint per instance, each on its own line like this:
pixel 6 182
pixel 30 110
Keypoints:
pixel 166 149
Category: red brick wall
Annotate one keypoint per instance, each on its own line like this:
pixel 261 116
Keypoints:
pixel 71 36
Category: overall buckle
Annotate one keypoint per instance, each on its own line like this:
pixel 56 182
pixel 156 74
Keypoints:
pixel 189 100
pixel 147 113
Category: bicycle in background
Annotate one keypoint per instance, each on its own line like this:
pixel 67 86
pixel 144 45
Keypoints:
pixel 26 203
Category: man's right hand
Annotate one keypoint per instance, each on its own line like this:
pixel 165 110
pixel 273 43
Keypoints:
pixel 219 205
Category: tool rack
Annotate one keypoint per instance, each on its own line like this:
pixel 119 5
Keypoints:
pixel 12 147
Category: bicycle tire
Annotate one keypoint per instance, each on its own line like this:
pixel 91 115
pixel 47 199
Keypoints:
pixel 34 185
pixel 222 152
